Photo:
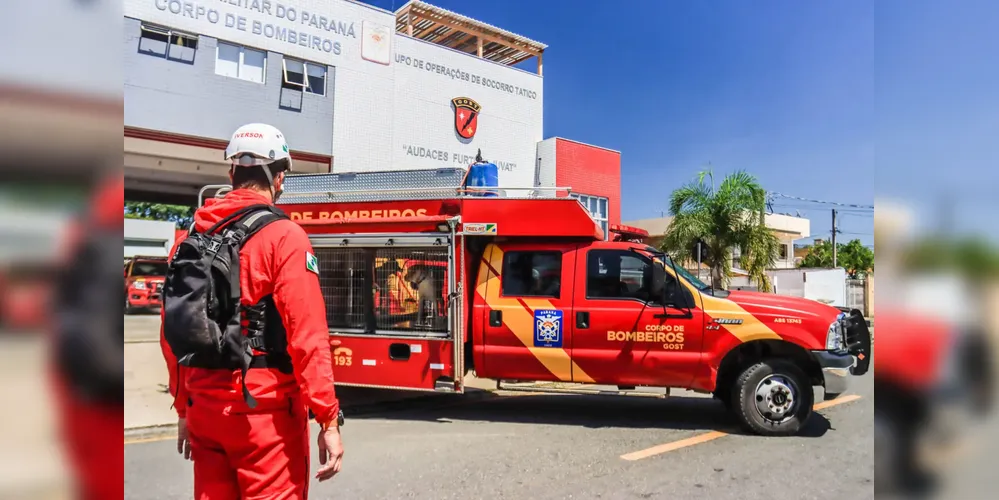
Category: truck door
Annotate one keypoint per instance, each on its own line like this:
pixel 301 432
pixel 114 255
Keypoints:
pixel 524 303
pixel 622 334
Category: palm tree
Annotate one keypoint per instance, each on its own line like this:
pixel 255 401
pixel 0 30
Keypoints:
pixel 731 217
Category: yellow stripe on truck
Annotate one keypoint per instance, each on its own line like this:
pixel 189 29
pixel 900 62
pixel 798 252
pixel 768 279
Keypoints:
pixel 750 329
pixel 520 319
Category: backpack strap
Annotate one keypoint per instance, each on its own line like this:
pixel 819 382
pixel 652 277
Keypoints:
pixel 238 214
pixel 250 220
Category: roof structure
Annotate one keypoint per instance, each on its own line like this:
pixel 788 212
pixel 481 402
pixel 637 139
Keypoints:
pixel 443 27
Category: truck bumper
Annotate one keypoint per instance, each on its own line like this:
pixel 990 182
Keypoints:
pixel 835 371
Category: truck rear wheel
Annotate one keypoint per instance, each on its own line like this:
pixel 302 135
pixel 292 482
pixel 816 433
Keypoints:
pixel 772 398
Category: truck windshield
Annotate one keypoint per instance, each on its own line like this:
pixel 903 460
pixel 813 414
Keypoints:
pixel 149 268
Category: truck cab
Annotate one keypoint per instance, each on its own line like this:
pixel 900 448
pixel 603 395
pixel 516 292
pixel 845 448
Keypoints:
pixel 425 285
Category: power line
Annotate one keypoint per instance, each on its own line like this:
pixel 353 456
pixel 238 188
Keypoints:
pixel 809 200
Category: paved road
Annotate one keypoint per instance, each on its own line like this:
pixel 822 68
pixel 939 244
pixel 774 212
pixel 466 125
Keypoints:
pixel 557 446
pixel 142 327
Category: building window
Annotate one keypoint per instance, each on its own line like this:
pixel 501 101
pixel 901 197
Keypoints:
pixel 532 274
pixel 240 62
pixel 597 206
pixel 165 42
pixel 307 76
pixel 782 253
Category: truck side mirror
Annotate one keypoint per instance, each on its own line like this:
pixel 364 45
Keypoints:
pixel 658 288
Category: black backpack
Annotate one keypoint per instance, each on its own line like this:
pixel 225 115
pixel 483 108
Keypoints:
pixel 87 303
pixel 201 297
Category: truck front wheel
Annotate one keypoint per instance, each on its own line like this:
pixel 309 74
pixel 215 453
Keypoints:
pixel 772 398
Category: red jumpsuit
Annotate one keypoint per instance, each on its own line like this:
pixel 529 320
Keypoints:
pixel 259 453
pixel 91 432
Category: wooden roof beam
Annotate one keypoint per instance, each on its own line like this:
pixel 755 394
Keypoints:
pixel 472 31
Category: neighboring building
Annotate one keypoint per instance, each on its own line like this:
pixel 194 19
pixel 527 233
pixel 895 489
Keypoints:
pixel 593 173
pixel 788 229
pixel 148 237
pixel 353 87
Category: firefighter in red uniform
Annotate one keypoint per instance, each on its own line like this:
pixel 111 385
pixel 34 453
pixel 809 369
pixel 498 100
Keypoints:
pixel 87 382
pixel 262 452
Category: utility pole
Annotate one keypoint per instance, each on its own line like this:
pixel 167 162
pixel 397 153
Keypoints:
pixel 834 237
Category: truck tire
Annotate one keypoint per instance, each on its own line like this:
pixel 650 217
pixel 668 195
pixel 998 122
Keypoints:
pixel 772 398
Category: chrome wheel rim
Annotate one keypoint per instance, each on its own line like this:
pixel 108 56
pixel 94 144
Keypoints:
pixel 776 398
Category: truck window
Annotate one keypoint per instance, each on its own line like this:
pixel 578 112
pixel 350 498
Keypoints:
pixel 532 274
pixel 618 274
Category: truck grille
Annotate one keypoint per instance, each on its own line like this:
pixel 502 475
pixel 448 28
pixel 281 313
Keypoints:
pixel 385 289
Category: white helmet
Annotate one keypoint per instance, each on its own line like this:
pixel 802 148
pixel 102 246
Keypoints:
pixel 256 144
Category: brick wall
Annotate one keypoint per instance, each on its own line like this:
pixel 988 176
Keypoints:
pixel 171 96
pixel 590 170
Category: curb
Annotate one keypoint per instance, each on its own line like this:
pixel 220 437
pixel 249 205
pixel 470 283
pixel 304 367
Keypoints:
pixel 150 432
pixel 155 432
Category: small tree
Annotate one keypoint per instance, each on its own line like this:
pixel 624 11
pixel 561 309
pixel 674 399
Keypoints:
pixel 853 256
pixel 733 216
pixel 180 215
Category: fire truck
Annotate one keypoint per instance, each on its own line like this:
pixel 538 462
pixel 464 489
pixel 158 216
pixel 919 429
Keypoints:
pixel 426 282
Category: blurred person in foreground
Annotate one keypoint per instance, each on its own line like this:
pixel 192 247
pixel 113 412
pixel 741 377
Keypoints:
pixel 246 370
pixel 88 349
pixel 933 370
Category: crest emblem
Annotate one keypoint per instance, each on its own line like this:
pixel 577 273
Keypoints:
pixel 466 116
pixel 548 328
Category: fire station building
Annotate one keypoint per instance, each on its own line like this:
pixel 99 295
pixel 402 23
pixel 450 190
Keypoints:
pixel 354 88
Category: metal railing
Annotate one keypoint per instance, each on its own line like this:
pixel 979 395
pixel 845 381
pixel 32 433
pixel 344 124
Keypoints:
pixel 222 190
pixel 534 192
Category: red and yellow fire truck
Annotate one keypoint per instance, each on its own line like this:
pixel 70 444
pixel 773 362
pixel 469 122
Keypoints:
pixel 427 282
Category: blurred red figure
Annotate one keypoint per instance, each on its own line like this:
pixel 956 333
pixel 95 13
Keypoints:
pixel 242 451
pixel 931 377
pixel 87 351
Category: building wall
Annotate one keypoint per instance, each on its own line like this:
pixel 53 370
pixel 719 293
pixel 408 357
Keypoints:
pixel 191 99
pixel 147 237
pixel 545 163
pixel 590 170
pixel 391 97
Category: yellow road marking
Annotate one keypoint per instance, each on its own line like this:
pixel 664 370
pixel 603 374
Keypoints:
pixel 833 402
pixel 168 437
pixel 675 445
pixel 712 435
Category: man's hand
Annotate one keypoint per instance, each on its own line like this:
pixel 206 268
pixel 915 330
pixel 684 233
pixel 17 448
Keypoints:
pixel 183 442
pixel 330 453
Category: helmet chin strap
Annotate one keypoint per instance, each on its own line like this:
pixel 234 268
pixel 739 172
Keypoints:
pixel 270 181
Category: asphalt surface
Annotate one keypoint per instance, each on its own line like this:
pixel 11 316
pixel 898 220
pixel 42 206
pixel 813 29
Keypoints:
pixel 569 447
pixel 142 326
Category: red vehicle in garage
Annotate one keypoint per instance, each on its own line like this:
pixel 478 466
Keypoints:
pixel 527 288
pixel 144 277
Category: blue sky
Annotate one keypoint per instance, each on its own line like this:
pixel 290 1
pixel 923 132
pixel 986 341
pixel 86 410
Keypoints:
pixel 819 100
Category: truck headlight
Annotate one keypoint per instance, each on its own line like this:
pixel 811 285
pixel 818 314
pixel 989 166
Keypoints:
pixel 139 285
pixel 836 334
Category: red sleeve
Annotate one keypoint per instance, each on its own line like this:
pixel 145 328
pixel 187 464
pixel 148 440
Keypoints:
pixel 177 387
pixel 176 372
pixel 299 300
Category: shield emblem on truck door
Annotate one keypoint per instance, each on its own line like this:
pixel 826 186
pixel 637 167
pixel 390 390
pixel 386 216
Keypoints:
pixel 466 116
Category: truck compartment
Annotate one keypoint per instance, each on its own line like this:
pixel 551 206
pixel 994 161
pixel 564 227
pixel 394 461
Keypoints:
pixel 402 291
pixel 394 363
